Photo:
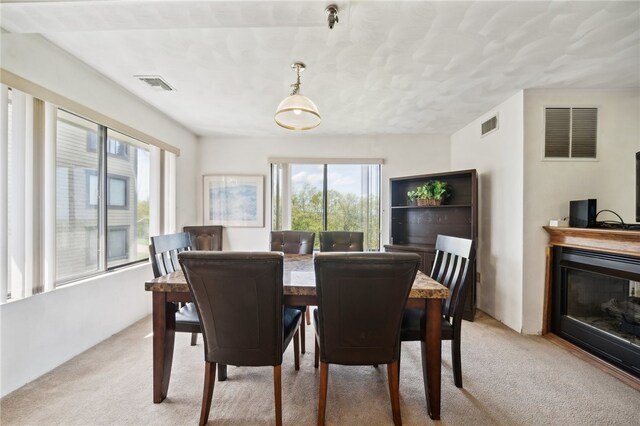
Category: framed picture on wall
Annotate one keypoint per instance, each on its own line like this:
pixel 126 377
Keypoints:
pixel 234 200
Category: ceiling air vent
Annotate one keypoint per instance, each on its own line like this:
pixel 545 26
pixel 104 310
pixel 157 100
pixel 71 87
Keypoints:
pixel 490 125
pixel 156 82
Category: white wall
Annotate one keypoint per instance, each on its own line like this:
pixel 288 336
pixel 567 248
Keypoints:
pixel 403 155
pixel 41 332
pixel 550 185
pixel 498 158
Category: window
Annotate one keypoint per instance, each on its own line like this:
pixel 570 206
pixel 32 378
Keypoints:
pixel 570 132
pixel 92 235
pixel 114 147
pixel 117 190
pixel 327 197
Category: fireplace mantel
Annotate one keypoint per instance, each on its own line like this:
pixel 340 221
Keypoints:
pixel 615 241
pixel 608 242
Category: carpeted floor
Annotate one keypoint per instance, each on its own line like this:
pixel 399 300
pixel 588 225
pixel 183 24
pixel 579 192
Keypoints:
pixel 509 379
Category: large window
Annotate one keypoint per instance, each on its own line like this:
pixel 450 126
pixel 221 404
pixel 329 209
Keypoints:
pixel 102 196
pixel 327 197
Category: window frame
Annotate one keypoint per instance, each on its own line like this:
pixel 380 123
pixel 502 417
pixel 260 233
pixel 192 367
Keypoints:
pixel 284 184
pixel 110 177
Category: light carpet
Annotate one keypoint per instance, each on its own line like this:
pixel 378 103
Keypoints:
pixel 509 379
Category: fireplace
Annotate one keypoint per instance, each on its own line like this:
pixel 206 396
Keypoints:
pixel 595 304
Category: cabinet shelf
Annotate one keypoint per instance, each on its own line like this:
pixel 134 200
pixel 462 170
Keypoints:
pixel 442 206
pixel 415 228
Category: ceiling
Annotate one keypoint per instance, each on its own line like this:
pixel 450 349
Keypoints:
pixel 388 67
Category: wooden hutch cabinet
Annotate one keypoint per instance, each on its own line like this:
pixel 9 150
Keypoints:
pixel 415 228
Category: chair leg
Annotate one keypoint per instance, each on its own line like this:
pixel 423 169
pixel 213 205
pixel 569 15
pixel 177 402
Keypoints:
pixel 222 372
pixel 194 339
pixel 207 392
pixel 303 333
pixel 316 355
pixel 277 392
pixel 394 392
pixel 307 315
pixel 322 398
pixel 296 350
pixel 399 359
pixel 456 361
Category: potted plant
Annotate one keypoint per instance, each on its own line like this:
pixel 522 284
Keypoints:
pixel 424 193
pixel 439 191
pixel 411 197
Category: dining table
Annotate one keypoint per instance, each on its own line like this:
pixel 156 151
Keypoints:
pixel 298 290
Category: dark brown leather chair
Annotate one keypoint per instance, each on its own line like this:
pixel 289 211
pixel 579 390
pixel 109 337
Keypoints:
pixel 295 242
pixel 341 241
pixel 361 299
pixel 205 237
pixel 450 268
pixel 163 252
pixel 226 286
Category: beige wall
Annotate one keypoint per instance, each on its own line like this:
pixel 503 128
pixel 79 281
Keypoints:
pixel 550 185
pixel 498 158
pixel 403 155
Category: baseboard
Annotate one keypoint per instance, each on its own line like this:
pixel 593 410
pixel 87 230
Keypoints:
pixel 619 374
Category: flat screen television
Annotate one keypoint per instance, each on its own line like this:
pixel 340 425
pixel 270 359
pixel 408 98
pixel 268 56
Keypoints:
pixel 638 186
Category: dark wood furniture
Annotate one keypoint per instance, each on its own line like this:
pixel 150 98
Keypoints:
pixel 299 289
pixel 450 268
pixel 163 252
pixel 414 228
pixel 369 333
pixel 205 237
pixel 238 330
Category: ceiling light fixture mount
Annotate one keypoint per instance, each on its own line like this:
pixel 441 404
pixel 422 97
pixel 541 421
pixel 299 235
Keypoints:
pixel 297 112
pixel 332 15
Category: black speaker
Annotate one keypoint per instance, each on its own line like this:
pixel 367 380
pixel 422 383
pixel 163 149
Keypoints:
pixel 582 213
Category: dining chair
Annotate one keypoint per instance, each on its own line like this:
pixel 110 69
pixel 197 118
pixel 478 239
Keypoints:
pixel 361 298
pixel 341 241
pixel 295 242
pixel 238 296
pixel 163 252
pixel 450 268
pixel 205 237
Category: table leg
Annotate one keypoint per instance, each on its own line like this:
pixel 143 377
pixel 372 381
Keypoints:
pixel 431 356
pixel 164 326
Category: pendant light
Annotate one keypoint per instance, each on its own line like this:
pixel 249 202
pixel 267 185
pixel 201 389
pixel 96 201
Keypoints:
pixel 297 112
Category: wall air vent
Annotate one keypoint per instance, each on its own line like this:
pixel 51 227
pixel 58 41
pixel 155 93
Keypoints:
pixel 490 125
pixel 156 82
pixel 570 132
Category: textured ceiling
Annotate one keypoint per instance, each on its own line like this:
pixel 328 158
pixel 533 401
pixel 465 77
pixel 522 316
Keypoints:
pixel 387 67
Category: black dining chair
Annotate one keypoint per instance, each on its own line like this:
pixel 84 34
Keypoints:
pixel 208 237
pixel 295 242
pixel 361 298
pixel 163 252
pixel 450 268
pixel 238 296
pixel 341 241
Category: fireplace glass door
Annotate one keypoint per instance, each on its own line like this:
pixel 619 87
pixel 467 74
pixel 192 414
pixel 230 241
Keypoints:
pixel 596 304
pixel 609 304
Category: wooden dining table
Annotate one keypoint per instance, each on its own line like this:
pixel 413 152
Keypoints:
pixel 299 289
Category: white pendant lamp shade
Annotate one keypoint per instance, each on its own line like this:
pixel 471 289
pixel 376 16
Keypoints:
pixel 297 112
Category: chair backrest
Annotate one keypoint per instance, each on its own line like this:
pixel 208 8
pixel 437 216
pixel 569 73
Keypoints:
pixel 341 241
pixel 293 242
pixel 238 296
pixel 205 237
pixel 361 299
pixel 164 250
pixel 450 268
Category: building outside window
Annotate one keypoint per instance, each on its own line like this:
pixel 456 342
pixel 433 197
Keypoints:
pixel 85 226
